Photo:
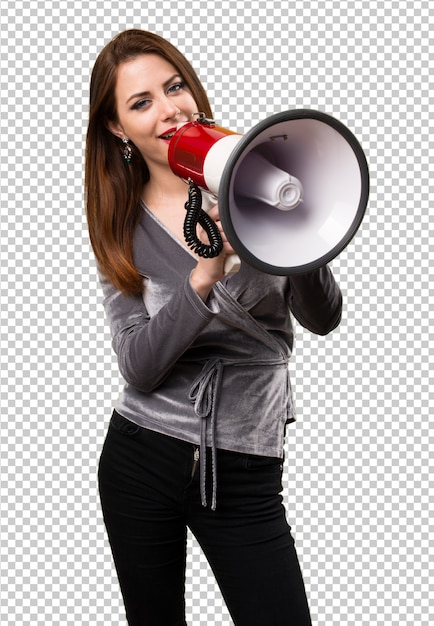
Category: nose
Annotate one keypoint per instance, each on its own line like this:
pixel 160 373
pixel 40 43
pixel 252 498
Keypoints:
pixel 169 110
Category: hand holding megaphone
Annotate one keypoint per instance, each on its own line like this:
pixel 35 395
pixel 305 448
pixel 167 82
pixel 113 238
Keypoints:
pixel 292 192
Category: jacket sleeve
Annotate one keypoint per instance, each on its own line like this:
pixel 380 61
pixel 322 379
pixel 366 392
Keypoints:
pixel 148 347
pixel 316 300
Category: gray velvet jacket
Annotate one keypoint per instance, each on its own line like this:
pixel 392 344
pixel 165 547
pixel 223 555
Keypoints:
pixel 215 373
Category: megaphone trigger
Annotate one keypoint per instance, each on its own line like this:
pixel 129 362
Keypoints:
pixel 232 264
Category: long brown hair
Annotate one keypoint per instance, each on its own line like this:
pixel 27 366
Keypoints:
pixel 113 186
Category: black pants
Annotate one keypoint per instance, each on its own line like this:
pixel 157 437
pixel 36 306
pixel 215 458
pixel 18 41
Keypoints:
pixel 149 497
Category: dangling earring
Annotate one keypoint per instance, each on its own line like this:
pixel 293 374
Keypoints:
pixel 127 150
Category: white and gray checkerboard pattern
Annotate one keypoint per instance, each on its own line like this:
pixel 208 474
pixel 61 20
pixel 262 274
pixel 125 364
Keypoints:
pixel 358 484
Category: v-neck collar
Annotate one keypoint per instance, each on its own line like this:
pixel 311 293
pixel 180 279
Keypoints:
pixel 168 231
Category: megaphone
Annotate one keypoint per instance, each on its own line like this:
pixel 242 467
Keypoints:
pixel 292 191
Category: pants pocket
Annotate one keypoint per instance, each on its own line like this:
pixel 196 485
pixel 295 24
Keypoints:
pixel 123 425
pixel 264 463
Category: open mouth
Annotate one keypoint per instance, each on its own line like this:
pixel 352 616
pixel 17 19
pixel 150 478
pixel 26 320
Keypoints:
pixel 168 135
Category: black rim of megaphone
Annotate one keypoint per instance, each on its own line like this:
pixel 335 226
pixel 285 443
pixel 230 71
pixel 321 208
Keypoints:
pixel 225 186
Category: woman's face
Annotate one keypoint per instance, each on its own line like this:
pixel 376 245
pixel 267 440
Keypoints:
pixel 151 99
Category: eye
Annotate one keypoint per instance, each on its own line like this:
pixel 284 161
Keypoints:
pixel 140 104
pixel 176 87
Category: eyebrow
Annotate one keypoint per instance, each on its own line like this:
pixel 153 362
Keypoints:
pixel 143 94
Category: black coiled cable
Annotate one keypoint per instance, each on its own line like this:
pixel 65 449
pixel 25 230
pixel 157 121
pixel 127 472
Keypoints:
pixel 196 215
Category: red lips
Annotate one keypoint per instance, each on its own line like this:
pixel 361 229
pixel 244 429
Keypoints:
pixel 167 135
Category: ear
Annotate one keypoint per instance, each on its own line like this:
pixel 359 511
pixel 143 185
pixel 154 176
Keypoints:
pixel 116 129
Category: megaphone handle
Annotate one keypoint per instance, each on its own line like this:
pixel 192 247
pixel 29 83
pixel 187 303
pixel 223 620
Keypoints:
pixel 233 261
pixel 232 264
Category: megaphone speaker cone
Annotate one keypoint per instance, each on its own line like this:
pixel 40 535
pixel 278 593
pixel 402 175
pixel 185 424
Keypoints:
pixel 326 193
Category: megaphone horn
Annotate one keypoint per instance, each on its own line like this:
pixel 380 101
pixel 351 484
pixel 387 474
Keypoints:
pixel 292 191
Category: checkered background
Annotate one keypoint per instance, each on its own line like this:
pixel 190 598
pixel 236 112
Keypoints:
pixel 358 483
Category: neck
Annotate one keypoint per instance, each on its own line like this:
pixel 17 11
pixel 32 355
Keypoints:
pixel 164 187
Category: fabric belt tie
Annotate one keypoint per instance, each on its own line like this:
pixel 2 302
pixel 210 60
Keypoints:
pixel 204 394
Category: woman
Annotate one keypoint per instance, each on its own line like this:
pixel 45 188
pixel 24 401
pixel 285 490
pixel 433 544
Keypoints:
pixel 196 438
